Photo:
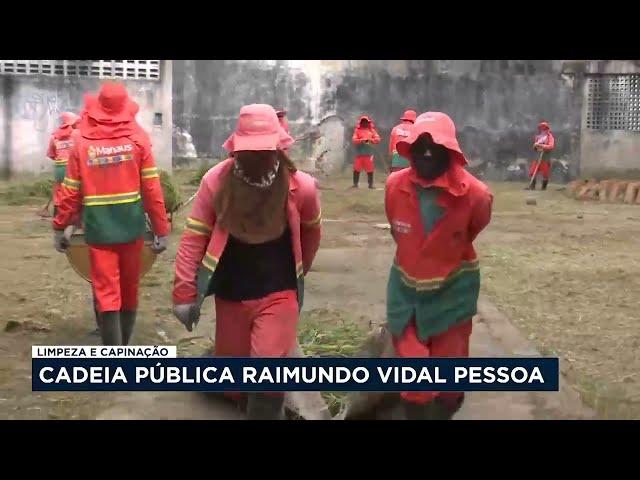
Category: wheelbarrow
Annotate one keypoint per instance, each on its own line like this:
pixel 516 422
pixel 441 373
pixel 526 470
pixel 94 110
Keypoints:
pixel 78 255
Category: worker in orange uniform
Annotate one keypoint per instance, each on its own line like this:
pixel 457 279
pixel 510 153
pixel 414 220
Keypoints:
pixel 250 239
pixel 543 143
pixel 399 132
pixel 365 136
pixel 436 209
pixel 60 145
pixel 112 176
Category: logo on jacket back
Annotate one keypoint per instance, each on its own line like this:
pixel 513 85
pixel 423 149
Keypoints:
pixel 402 133
pixel 98 155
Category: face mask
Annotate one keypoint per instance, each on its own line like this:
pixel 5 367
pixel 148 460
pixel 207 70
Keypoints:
pixel 429 159
pixel 244 168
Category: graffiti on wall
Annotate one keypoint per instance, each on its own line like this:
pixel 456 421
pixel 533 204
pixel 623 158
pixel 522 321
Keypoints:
pixel 41 108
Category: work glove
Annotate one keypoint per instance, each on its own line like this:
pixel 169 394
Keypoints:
pixel 188 314
pixel 159 244
pixel 60 241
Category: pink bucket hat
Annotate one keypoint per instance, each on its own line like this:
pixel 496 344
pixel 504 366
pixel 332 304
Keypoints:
pixel 409 115
pixel 258 128
pixel 441 128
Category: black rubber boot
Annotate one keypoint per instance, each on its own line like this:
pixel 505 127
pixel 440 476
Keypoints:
pixel 356 179
pixel 544 184
pixel 127 322
pixel 439 411
pixel 265 407
pixel 446 410
pixel 110 328
pixel 533 185
pixel 370 179
pixel 416 411
pixel 433 410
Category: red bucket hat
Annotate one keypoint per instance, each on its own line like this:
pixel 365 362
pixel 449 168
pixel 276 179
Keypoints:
pixel 112 104
pixel 68 119
pixel 364 117
pixel 441 128
pixel 409 115
pixel 544 126
pixel 258 128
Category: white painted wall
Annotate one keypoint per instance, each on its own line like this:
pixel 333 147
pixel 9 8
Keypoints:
pixel 34 104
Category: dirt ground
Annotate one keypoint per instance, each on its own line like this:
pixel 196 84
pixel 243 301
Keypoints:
pixel 566 273
pixel 567 284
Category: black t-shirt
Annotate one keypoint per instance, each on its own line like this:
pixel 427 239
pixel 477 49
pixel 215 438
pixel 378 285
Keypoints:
pixel 251 271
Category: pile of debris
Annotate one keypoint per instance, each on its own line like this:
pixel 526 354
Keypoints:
pixel 613 191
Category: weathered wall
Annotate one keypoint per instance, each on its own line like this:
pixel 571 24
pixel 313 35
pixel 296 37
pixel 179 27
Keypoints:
pixel 30 107
pixel 496 104
pixel 609 153
pixel 209 94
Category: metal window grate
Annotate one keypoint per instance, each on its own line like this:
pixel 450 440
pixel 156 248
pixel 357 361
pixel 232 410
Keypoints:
pixel 122 69
pixel 614 102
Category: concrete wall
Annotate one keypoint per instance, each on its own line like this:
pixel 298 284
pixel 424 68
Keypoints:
pixel 609 153
pixel 30 106
pixel 496 104
pixel 208 96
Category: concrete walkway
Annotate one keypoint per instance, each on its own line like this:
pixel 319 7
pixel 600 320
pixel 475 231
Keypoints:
pixel 353 279
pixel 495 336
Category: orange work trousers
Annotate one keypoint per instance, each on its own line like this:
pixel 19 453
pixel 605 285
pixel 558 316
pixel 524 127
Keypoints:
pixel 115 275
pixel 265 327
pixel 544 169
pixel 451 343
pixel 363 162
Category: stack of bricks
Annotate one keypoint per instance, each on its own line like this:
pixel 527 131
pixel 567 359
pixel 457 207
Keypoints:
pixel 610 191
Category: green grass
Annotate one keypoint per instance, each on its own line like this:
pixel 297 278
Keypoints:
pixel 565 273
pixel 341 201
pixel 331 333
pixel 193 177
pixel 26 190
pixel 170 191
pixel 196 178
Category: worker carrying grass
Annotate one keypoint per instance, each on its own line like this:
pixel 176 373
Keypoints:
pixel 60 145
pixel 436 209
pixel 398 132
pixel 113 178
pixel 249 240
pixel 543 143
pixel 365 136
